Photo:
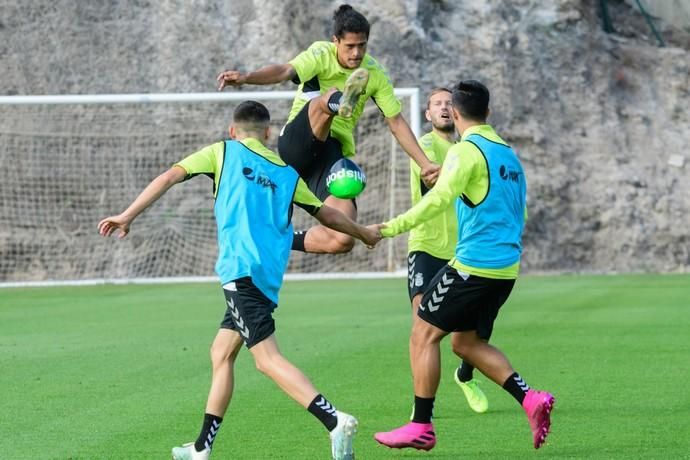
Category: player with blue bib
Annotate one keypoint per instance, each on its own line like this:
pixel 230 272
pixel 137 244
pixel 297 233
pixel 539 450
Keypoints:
pixel 483 176
pixel 254 192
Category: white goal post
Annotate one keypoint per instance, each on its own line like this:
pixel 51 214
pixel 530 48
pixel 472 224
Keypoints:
pixel 69 160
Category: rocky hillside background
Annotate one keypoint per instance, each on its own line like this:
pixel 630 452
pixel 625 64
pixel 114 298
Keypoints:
pixel 601 121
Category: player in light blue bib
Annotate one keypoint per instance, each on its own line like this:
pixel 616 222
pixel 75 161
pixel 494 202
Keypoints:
pixel 254 193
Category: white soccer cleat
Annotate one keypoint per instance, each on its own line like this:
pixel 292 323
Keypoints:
pixel 342 435
pixel 188 452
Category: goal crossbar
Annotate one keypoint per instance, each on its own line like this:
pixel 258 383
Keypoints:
pixel 143 98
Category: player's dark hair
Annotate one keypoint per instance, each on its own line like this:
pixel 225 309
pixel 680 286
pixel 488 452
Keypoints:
pixel 471 100
pixel 347 19
pixel 440 89
pixel 251 113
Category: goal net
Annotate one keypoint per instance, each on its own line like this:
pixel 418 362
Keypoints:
pixel 69 161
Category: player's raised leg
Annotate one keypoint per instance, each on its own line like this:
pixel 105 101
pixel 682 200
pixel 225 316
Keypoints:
pixel 322 109
pixel 322 240
pixel 334 102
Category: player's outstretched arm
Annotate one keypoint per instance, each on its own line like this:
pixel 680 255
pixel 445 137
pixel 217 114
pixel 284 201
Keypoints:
pixel 378 228
pixel 405 137
pixel 146 198
pixel 332 218
pixel 451 184
pixel 267 75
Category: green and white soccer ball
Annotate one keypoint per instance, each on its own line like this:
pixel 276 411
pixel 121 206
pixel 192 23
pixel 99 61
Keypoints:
pixel 346 180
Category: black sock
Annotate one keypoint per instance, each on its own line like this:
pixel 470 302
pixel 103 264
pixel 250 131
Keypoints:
pixel 423 409
pixel 298 241
pixel 334 101
pixel 208 432
pixel 516 387
pixel 324 411
pixel 465 372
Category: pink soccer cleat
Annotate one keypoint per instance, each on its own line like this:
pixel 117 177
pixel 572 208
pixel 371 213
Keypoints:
pixel 417 435
pixel 538 406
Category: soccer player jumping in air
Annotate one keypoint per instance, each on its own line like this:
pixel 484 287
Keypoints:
pixel 254 192
pixel 335 80
pixel 484 177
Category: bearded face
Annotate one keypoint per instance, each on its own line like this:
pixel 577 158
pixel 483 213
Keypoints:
pixel 439 111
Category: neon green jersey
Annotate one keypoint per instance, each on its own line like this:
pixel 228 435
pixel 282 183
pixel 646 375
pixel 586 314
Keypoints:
pixel 318 71
pixel 464 171
pixel 209 161
pixel 438 235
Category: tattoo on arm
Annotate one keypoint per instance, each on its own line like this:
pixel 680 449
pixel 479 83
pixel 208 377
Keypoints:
pixel 293 76
pixel 311 209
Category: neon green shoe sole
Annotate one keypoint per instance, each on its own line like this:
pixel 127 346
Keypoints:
pixel 354 87
pixel 475 396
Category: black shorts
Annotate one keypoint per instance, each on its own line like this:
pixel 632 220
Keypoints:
pixel 461 302
pixel 421 269
pixel 249 311
pixel 311 158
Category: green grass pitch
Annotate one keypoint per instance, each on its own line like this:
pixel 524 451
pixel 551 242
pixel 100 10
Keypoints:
pixel 122 372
